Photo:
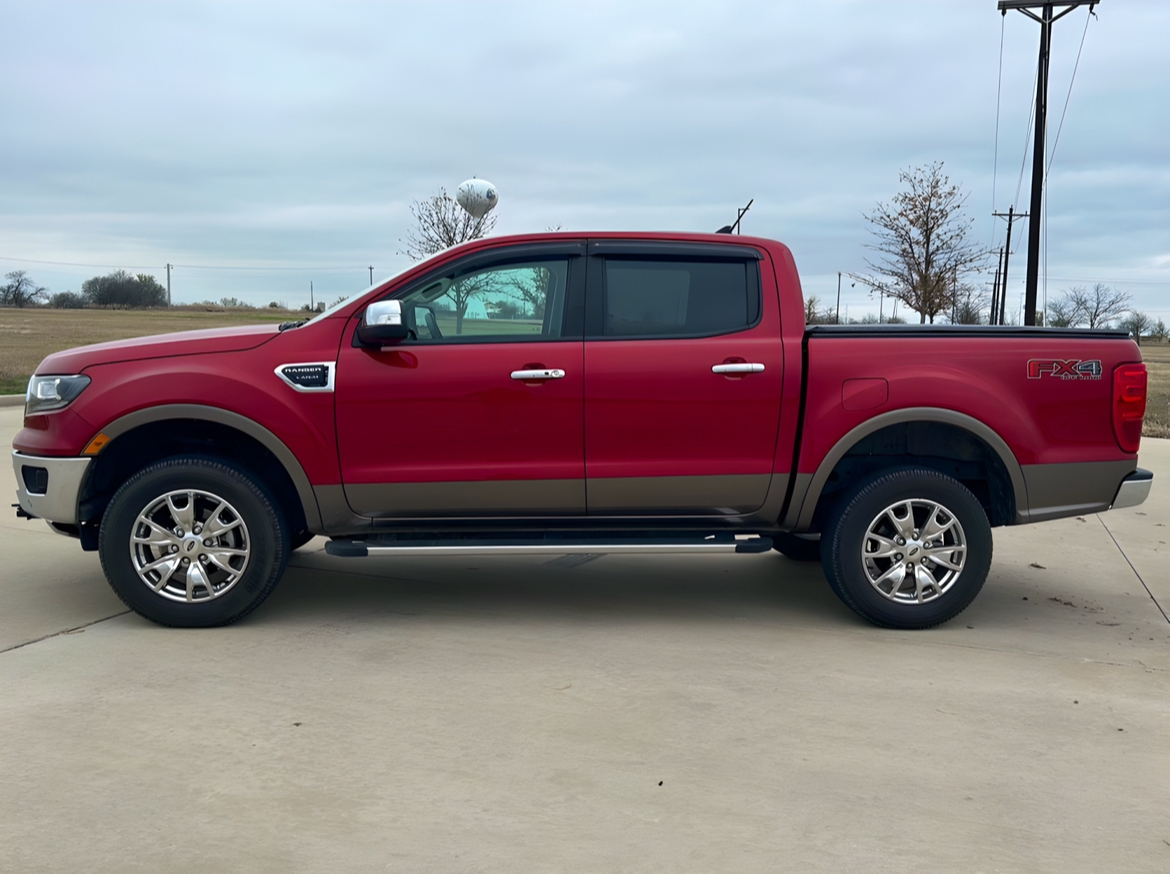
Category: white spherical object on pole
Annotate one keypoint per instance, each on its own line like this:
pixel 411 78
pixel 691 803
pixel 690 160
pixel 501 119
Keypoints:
pixel 477 196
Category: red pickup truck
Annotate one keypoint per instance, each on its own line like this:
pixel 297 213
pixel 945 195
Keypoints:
pixel 578 393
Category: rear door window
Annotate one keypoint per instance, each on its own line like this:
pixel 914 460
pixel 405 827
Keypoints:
pixel 657 297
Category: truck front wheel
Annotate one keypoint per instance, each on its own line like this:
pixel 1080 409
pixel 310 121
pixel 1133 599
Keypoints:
pixel 908 548
pixel 193 542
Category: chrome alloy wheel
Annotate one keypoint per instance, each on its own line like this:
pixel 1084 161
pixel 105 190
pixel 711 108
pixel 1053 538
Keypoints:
pixel 190 546
pixel 914 551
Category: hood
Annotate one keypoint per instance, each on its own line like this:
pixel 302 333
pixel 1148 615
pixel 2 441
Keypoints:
pixel 159 346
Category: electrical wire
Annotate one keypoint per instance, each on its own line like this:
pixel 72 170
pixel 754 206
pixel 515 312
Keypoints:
pixel 998 95
pixel 1044 260
pixel 1028 134
pixel 161 267
pixel 1052 157
pixel 1056 140
pixel 77 264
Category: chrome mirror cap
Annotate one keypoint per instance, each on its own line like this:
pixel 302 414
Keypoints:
pixel 384 312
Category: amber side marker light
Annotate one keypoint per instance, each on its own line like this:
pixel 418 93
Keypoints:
pixel 96 445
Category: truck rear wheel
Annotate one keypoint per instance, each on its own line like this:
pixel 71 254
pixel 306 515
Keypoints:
pixel 193 542
pixel 908 548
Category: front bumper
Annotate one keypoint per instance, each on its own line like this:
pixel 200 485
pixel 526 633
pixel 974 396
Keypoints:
pixel 1134 489
pixel 48 488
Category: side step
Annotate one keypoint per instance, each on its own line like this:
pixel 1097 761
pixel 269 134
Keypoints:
pixel 391 545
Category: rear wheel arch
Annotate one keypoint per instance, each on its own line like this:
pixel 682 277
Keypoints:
pixel 146 436
pixel 952 443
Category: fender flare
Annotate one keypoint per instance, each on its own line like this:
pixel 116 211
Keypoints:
pixel 808 502
pixel 258 432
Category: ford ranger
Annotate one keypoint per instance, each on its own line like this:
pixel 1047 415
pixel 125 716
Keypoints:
pixel 578 393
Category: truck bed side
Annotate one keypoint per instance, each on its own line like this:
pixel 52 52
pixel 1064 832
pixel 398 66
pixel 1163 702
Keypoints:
pixel 1022 415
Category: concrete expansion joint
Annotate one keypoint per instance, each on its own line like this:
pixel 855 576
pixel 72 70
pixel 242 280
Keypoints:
pixel 62 631
pixel 1042 655
pixel 1161 609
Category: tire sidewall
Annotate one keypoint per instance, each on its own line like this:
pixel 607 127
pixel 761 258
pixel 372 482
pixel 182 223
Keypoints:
pixel 267 534
pixel 842 554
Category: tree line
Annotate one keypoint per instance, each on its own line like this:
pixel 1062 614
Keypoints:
pixel 118 289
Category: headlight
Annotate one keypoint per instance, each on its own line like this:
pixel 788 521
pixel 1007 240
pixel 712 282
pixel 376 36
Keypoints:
pixel 46 393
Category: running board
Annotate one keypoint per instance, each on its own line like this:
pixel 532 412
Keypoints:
pixel 721 543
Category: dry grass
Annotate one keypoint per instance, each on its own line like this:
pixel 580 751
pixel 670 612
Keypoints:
pixel 28 335
pixel 1157 358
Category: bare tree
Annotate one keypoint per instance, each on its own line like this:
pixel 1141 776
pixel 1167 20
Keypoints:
pixel 1062 313
pixel 1137 324
pixel 969 302
pixel 1101 305
pixel 529 288
pixel 814 314
pixel 1158 331
pixel 1094 307
pixel 440 224
pixel 21 291
pixel 922 244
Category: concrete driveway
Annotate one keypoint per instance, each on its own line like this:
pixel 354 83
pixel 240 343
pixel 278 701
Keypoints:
pixel 625 714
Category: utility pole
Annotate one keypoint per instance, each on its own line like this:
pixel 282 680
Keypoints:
pixel 1012 216
pixel 371 274
pixel 169 284
pixel 1046 17
pixel 991 320
pixel 311 307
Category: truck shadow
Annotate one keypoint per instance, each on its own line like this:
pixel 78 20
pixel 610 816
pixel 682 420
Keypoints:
pixel 522 587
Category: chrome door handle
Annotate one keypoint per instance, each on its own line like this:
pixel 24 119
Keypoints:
pixel 529 375
pixel 743 367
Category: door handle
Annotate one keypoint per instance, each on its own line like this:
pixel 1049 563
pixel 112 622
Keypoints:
pixel 530 375
pixel 741 367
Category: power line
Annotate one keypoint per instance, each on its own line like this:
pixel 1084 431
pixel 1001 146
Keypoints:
pixel 1060 126
pixel 163 267
pixel 1046 16
pixel 76 264
pixel 1027 142
pixel 998 94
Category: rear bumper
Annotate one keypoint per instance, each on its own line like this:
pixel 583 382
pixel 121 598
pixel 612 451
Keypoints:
pixel 1134 489
pixel 48 488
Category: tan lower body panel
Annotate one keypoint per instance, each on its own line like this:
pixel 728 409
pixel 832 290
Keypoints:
pixel 722 495
pixel 1056 490
pixel 491 497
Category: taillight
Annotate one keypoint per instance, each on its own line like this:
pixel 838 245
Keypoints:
pixel 1129 405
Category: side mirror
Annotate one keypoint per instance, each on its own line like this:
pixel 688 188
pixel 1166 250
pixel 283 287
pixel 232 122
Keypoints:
pixel 382 324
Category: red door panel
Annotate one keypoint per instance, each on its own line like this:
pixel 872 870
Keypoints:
pixel 445 430
pixel 661 429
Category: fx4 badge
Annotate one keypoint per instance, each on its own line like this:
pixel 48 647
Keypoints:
pixel 1070 368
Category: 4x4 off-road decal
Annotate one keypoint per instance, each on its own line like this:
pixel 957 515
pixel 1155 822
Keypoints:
pixel 1069 368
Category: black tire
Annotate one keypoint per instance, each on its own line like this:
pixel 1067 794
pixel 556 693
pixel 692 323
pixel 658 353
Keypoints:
pixel 796 548
pixel 216 593
pixel 859 522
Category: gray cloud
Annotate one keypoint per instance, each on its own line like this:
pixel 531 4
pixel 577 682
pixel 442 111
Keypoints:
pixel 295 136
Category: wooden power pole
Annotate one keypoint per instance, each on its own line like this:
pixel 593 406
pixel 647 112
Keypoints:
pixel 1046 15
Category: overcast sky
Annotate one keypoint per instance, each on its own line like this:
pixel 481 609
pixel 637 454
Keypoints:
pixel 263 146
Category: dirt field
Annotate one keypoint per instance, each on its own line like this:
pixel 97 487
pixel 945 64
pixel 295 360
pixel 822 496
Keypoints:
pixel 27 336
pixel 1157 358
